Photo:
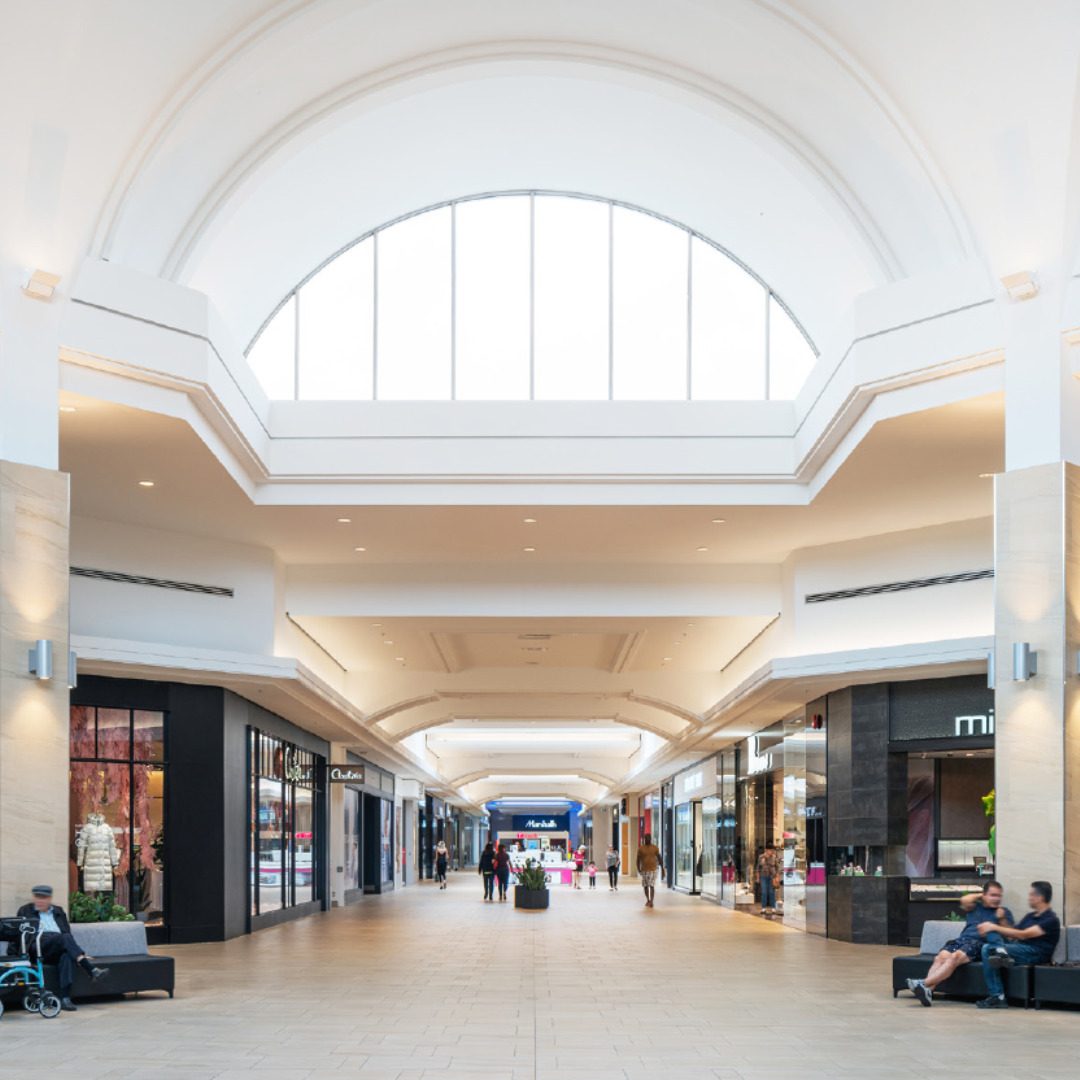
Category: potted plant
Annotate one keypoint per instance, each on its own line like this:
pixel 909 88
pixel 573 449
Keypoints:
pixel 531 891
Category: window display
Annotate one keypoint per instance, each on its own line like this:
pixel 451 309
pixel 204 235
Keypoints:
pixel 117 807
pixel 285 841
pixel 351 860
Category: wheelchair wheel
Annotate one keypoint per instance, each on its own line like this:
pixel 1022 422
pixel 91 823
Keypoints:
pixel 1 1008
pixel 32 1000
pixel 49 1006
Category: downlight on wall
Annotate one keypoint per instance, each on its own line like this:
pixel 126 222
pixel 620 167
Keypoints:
pixel 1021 286
pixel 41 659
pixel 1025 662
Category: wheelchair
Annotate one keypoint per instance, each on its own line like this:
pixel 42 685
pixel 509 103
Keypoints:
pixel 21 974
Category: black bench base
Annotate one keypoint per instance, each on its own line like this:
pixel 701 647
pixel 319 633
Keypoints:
pixel 966 982
pixel 1057 986
pixel 127 975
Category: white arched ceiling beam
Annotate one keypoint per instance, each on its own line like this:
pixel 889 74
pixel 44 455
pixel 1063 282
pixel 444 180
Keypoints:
pixel 303 45
pixel 539 774
pixel 418 714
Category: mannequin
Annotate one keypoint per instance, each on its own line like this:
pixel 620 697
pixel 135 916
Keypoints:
pixel 98 856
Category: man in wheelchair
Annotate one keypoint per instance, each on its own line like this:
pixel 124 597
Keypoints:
pixel 53 942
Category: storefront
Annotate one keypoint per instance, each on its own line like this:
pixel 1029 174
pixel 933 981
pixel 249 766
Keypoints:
pixel 368 837
pixel 199 812
pixel 693 865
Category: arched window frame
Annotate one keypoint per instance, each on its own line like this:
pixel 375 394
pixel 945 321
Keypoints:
pixel 771 297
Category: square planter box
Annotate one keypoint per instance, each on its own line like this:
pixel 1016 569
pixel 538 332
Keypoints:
pixel 531 899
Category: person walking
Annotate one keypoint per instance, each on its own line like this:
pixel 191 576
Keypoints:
pixel 649 863
pixel 579 866
pixel 768 875
pixel 487 870
pixel 442 858
pixel 502 870
pixel 612 868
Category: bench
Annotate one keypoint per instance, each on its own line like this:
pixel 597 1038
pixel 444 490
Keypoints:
pixel 968 980
pixel 122 948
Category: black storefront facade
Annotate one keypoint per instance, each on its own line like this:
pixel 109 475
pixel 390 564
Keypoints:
pixel 875 799
pixel 206 813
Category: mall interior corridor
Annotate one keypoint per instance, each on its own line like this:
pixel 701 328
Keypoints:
pixel 424 984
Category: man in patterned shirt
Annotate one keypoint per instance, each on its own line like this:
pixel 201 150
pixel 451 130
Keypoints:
pixel 648 860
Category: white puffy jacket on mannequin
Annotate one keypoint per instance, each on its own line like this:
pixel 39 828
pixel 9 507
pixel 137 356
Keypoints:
pixel 97 854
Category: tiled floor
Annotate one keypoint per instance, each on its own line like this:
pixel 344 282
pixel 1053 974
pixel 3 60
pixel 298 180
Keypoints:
pixel 428 984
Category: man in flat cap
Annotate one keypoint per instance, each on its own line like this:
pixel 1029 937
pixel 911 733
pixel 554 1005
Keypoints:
pixel 53 938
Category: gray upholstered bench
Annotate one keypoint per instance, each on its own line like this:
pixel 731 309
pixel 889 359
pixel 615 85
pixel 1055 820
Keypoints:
pixel 122 948
pixel 968 980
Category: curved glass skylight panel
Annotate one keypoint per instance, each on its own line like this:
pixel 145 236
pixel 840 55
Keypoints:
pixel 532 295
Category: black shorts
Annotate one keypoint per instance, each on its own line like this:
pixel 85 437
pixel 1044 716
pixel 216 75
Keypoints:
pixel 971 948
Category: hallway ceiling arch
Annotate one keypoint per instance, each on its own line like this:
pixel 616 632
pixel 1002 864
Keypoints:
pixel 316 121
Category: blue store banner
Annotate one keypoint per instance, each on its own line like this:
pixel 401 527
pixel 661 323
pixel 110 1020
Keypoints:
pixel 537 823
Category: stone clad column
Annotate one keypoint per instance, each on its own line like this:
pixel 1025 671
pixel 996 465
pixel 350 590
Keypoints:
pixel 1037 739
pixel 33 713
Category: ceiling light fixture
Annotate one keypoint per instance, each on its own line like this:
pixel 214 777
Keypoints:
pixel 530 521
pixel 67 408
pixel 986 476
pixel 666 658
pixel 344 521
pixel 402 658
pixel 703 549
pixel 362 549
pixel 388 643
pixel 528 549
pixel 376 624
pixel 719 521
pixel 146 483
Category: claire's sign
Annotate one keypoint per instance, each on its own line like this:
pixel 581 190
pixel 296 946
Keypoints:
pixel 346 774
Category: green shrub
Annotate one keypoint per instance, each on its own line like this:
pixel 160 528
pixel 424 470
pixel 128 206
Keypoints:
pixel 85 907
pixel 531 877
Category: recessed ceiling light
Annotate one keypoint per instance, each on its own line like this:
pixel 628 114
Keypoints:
pixel 399 657
pixel 667 657
pixel 344 521
pixel 363 549
pixel 376 624
pixel 986 476
pixel 529 521
pixel 689 624
pixel 703 549
pixel 528 549
pixel 146 483
pixel 67 408
pixel 676 643
pixel 388 643
pixel 719 521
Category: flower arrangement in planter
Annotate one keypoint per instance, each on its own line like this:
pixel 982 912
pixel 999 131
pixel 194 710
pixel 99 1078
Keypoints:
pixel 531 891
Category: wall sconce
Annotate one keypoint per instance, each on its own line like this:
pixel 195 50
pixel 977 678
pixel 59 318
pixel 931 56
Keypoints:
pixel 991 670
pixel 1025 662
pixel 41 659
pixel 73 669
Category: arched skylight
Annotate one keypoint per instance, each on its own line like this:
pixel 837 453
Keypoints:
pixel 531 295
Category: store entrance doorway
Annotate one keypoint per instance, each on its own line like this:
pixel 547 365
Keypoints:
pixel 688 847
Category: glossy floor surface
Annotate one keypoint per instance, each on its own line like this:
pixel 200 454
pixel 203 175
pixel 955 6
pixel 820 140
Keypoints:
pixel 429 984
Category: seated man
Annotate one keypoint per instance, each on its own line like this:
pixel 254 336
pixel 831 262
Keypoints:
pixel 55 941
pixel 1032 941
pixel 983 909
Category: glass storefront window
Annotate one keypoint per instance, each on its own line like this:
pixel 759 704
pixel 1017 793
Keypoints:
pixel 684 846
pixel 285 835
pixel 352 839
pixel 710 812
pixel 117 807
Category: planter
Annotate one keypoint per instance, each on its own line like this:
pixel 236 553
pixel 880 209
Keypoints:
pixel 531 899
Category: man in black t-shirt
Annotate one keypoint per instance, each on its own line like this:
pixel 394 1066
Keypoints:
pixel 1031 941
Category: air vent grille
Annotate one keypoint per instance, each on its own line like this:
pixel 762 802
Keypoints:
pixel 898 586
pixel 154 583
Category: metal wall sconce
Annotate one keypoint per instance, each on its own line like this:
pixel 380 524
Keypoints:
pixel 991 670
pixel 73 670
pixel 1025 662
pixel 41 659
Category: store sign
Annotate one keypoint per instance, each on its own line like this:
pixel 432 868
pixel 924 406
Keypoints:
pixel 975 725
pixel 691 782
pixel 346 774
pixel 757 762
pixel 533 823
pixel 957 708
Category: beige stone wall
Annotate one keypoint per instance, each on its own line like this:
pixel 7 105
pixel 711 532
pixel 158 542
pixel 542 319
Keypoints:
pixel 1038 722
pixel 33 713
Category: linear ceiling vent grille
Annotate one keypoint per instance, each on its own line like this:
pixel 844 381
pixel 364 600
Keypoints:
pixel 155 583
pixel 899 586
